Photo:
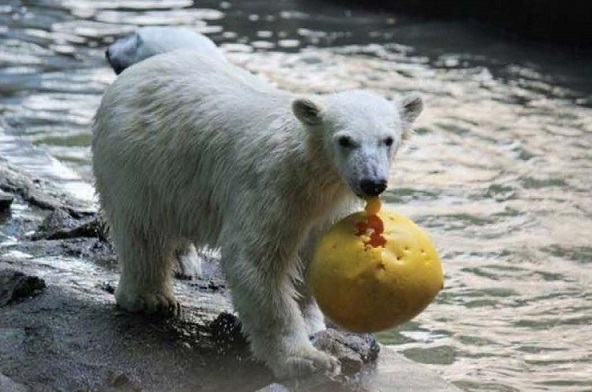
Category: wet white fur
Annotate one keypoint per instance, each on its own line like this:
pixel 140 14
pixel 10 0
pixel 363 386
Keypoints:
pixel 149 41
pixel 187 148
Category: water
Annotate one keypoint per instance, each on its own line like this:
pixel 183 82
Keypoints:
pixel 499 170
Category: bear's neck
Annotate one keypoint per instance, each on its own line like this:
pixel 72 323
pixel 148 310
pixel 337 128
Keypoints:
pixel 314 177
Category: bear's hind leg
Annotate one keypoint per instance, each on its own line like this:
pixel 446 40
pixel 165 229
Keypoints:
pixel 145 284
pixel 189 262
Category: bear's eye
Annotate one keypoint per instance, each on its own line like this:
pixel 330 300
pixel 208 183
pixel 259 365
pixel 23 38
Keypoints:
pixel 345 141
pixel 388 141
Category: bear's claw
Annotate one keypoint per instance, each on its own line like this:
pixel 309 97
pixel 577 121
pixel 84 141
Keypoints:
pixel 150 303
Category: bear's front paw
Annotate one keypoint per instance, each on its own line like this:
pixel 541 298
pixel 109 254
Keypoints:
pixel 151 303
pixel 305 362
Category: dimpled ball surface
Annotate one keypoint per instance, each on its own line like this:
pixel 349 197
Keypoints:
pixel 367 288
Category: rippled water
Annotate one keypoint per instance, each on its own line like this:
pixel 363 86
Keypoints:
pixel 499 170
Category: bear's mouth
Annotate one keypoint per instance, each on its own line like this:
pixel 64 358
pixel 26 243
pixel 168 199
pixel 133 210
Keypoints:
pixel 358 192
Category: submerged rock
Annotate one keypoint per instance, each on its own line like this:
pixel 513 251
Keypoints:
pixel 15 285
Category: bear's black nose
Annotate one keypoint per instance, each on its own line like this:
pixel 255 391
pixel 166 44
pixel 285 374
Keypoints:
pixel 108 55
pixel 372 187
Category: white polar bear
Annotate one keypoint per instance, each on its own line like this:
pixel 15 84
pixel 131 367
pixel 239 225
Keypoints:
pixel 149 41
pixel 187 148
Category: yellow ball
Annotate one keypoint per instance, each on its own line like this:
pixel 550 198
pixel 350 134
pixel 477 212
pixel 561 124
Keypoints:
pixel 365 287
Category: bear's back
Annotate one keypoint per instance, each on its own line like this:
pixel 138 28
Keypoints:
pixel 185 86
pixel 195 73
pixel 153 40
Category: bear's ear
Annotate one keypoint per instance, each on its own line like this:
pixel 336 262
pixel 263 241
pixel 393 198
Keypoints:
pixel 411 107
pixel 307 111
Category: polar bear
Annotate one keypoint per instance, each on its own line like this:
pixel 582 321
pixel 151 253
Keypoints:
pixel 187 148
pixel 149 41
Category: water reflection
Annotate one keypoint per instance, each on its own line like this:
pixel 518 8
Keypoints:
pixel 499 168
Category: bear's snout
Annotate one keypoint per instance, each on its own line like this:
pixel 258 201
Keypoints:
pixel 373 187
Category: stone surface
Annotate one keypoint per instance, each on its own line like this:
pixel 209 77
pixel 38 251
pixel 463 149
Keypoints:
pixel 15 285
pixel 352 350
pixel 38 192
pixel 7 385
pixel 119 382
pixel 63 224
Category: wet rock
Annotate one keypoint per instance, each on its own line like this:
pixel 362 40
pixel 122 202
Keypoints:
pixel 5 201
pixel 351 349
pixel 101 252
pixel 8 385
pixel 15 285
pixel 58 219
pixel 64 224
pixel 38 192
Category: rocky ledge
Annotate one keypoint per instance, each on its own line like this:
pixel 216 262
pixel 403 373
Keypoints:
pixel 61 331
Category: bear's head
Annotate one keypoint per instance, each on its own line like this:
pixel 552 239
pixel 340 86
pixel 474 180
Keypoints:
pixel 152 40
pixel 361 133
